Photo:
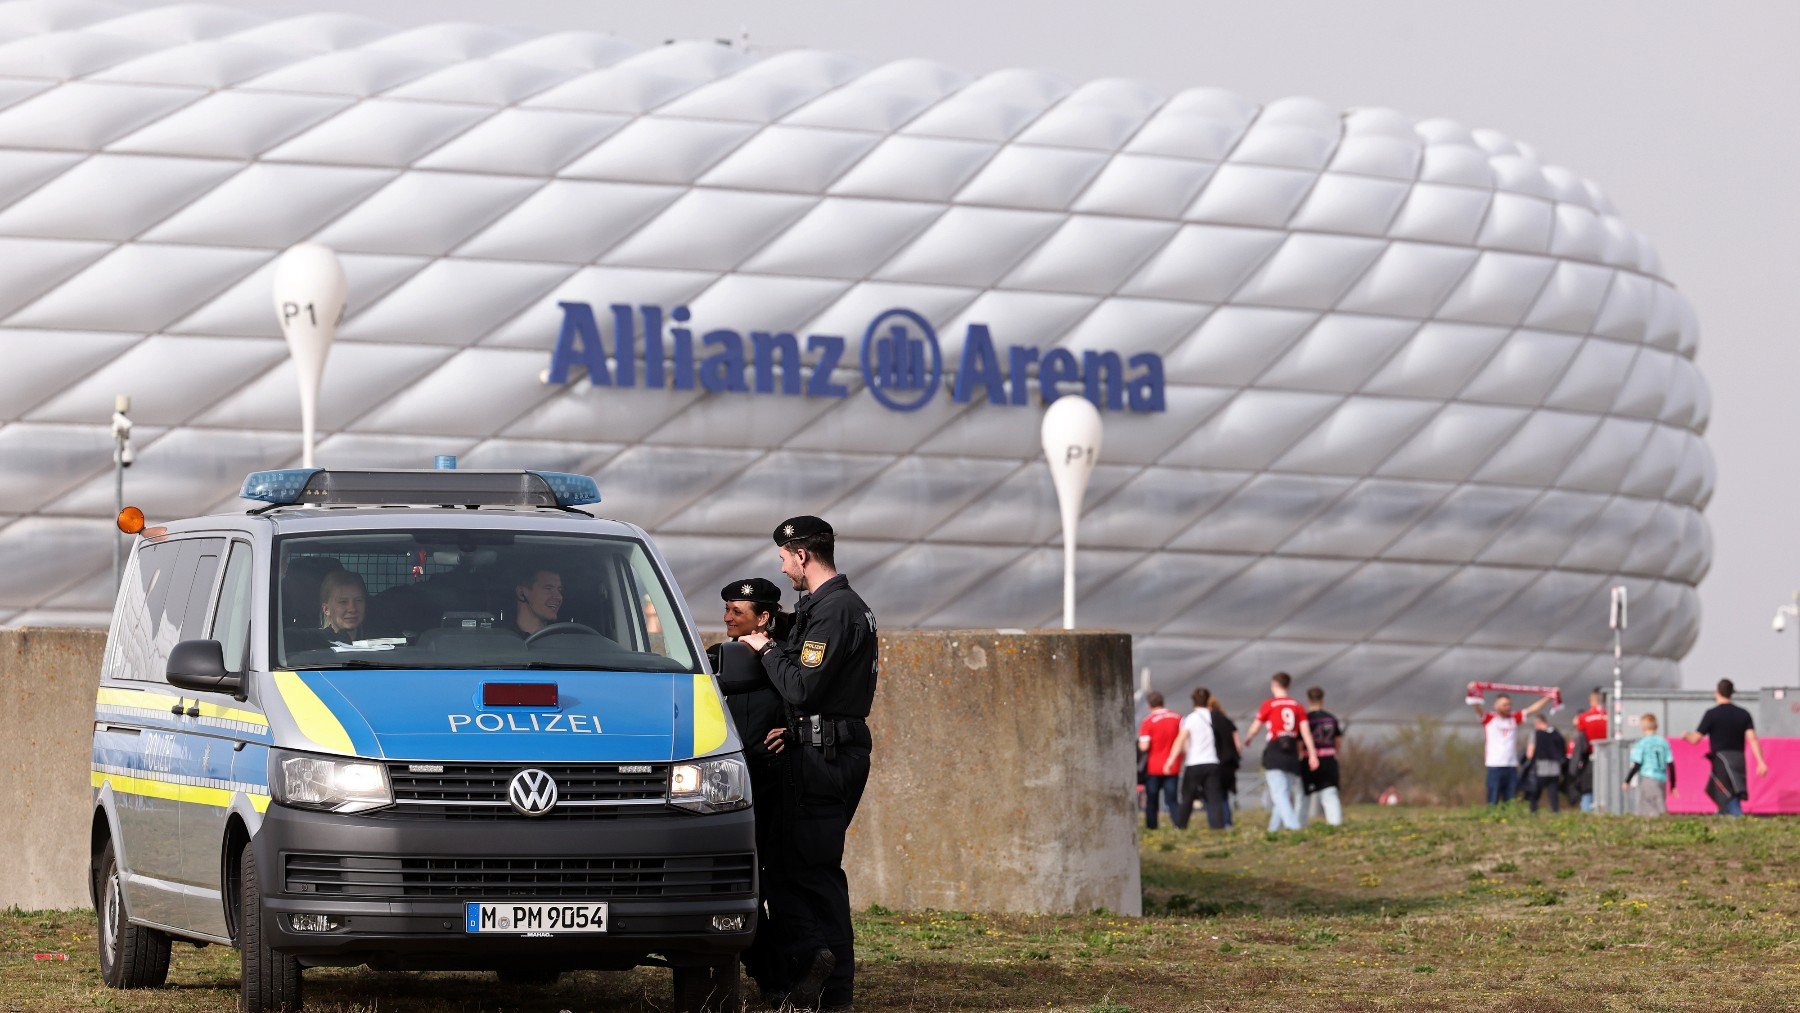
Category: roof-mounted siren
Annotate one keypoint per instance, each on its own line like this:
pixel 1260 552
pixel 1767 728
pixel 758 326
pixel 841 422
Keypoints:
pixel 319 487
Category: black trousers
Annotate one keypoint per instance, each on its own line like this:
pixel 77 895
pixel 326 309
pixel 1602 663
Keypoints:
pixel 1541 786
pixel 765 961
pixel 1206 782
pixel 809 903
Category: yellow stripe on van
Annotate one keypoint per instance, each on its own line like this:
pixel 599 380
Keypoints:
pixel 314 718
pixel 218 798
pixel 133 699
pixel 709 716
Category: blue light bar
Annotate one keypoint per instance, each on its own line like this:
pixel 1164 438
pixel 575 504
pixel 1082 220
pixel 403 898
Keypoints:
pixel 319 487
pixel 570 490
pixel 282 487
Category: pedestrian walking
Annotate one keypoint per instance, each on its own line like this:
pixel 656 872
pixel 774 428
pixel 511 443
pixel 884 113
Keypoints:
pixel 1322 784
pixel 1653 766
pixel 825 672
pixel 1287 753
pixel 1545 755
pixel 1500 731
pixel 1230 745
pixel 1162 765
pixel 1729 731
pixel 1590 727
pixel 1197 749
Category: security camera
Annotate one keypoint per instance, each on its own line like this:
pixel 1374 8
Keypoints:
pixel 1780 621
pixel 125 456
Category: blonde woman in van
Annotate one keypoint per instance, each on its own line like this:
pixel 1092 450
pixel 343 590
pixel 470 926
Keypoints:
pixel 343 599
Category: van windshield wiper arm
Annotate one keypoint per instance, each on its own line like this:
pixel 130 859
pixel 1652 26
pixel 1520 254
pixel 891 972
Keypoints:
pixel 345 663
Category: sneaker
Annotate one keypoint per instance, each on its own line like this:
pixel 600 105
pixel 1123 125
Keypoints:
pixel 806 991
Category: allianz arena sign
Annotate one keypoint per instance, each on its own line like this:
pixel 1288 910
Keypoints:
pixel 901 361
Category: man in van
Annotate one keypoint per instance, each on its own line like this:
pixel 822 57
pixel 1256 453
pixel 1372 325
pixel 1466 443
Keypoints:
pixel 825 671
pixel 537 601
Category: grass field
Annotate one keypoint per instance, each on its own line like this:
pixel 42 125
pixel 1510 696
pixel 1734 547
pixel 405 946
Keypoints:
pixel 1420 909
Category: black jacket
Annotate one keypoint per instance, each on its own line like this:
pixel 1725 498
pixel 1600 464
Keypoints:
pixel 828 662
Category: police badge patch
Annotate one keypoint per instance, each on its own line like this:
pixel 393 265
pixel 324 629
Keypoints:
pixel 812 653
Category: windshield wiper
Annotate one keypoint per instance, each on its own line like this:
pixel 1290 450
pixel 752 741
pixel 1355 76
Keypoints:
pixel 345 663
pixel 556 666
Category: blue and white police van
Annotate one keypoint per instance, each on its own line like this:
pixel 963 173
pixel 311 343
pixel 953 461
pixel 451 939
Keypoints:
pixel 418 720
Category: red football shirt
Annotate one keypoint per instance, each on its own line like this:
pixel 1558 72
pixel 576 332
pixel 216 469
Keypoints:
pixel 1161 727
pixel 1283 715
pixel 1592 723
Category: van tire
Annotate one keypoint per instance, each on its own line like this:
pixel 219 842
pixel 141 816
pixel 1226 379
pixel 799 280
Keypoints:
pixel 271 980
pixel 709 988
pixel 131 956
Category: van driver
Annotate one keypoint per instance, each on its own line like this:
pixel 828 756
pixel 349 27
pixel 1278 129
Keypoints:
pixel 539 600
pixel 342 600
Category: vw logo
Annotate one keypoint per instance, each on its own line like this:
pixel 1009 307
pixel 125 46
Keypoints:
pixel 532 792
pixel 901 362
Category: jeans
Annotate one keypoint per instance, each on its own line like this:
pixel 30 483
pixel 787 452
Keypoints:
pixel 1327 800
pixel 1284 792
pixel 1202 781
pixel 1733 807
pixel 1541 785
pixel 1160 790
pixel 1502 784
pixel 1587 801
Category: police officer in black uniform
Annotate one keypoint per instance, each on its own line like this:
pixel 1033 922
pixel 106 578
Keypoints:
pixel 824 671
pixel 753 605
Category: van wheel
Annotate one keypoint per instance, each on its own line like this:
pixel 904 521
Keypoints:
pixel 709 988
pixel 271 980
pixel 131 956
pixel 528 979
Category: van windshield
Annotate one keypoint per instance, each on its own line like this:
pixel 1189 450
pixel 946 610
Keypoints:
pixel 438 598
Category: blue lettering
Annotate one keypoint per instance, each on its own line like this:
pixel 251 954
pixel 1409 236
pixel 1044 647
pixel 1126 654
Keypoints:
pixel 766 346
pixel 624 346
pixel 723 370
pixel 578 344
pixel 1146 389
pixel 1096 366
pixel 980 365
pixel 684 349
pixel 653 347
pixel 1057 366
pixel 1019 359
pixel 830 348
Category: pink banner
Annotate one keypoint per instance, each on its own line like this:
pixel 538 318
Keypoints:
pixel 1779 792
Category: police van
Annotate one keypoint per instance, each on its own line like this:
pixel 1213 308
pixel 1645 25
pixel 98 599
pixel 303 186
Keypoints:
pixel 419 720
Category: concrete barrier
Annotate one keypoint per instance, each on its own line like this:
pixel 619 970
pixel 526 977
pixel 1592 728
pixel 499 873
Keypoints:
pixel 1002 772
pixel 1002 775
pixel 47 682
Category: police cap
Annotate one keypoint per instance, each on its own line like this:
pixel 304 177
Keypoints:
pixel 800 527
pixel 753 589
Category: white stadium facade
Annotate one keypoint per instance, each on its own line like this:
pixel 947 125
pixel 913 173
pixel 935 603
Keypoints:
pixel 1389 403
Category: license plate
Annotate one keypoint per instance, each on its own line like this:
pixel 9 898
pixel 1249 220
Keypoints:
pixel 536 919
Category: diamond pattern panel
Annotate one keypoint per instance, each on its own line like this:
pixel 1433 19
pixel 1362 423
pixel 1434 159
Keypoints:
pixel 1427 397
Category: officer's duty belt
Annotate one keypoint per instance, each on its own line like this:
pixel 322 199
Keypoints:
pixel 822 731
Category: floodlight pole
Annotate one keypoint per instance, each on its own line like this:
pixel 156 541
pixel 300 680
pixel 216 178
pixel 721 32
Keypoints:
pixel 309 302
pixel 1071 436
pixel 121 431
pixel 1782 615
pixel 1618 618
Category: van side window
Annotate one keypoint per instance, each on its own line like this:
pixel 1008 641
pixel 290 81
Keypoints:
pixel 174 579
pixel 231 619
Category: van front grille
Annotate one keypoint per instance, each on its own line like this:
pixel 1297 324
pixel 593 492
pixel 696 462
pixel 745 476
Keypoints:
pixel 682 876
pixel 478 791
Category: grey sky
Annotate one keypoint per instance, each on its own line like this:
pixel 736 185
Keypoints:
pixel 1679 111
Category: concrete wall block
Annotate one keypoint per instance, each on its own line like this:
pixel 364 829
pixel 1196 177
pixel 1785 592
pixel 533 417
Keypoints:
pixel 1002 775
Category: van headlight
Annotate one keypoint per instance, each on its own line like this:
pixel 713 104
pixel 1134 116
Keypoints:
pixel 710 786
pixel 333 785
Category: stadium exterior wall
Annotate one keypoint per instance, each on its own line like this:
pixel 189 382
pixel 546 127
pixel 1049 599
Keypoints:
pixel 1395 401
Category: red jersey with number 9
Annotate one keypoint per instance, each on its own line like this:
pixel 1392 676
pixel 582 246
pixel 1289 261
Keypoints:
pixel 1283 715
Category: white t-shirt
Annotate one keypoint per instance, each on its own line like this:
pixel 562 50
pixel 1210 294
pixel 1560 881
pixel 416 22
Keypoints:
pixel 1502 735
pixel 1201 746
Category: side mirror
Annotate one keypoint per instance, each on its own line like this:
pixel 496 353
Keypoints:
pixel 199 665
pixel 739 669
